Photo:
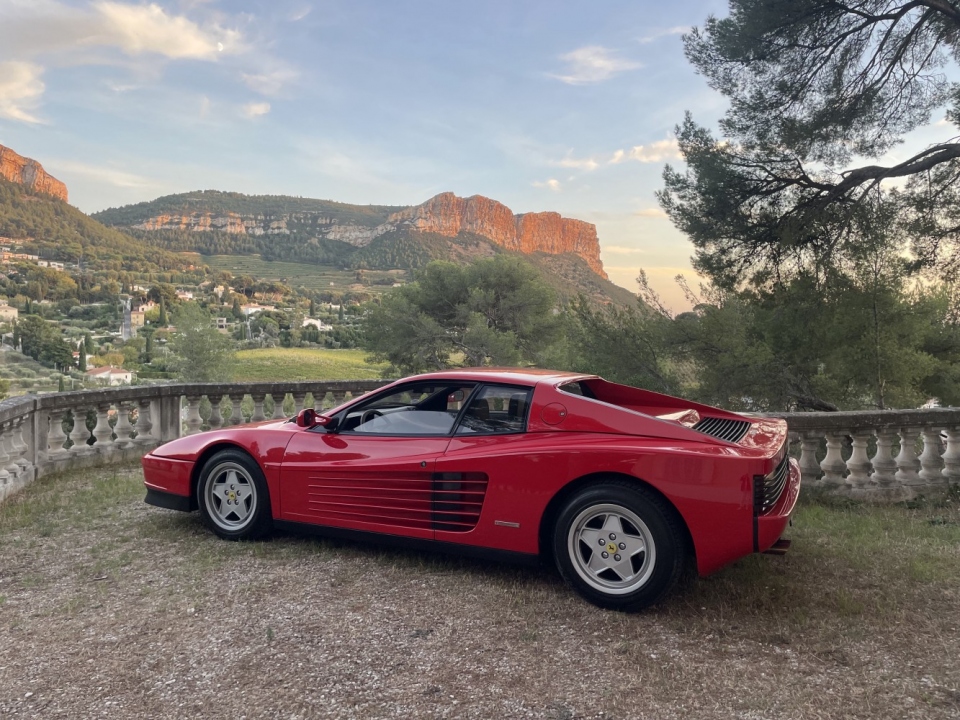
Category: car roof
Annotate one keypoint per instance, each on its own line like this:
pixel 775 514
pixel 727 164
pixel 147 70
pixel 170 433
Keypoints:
pixel 522 376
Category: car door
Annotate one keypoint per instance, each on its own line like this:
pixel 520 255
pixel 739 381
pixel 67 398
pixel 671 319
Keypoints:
pixel 376 471
pixel 489 467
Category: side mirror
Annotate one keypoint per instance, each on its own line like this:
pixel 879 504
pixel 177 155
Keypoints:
pixel 308 418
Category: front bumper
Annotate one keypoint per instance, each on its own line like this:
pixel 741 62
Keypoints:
pixel 168 482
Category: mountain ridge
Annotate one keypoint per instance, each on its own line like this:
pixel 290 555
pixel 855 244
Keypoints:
pixel 305 220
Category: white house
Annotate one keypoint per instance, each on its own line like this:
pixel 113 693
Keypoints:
pixel 110 375
pixel 318 324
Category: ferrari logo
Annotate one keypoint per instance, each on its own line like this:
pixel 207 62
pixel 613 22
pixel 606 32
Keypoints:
pixel 611 547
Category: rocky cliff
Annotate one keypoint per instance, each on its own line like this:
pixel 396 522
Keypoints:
pixel 18 169
pixel 446 215
pixel 548 232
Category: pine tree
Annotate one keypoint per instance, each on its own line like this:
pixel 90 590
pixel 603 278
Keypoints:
pixel 82 359
pixel 162 321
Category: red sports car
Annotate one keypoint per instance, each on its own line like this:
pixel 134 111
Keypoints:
pixel 616 485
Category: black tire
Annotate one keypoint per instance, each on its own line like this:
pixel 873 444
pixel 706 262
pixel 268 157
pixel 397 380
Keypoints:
pixel 619 545
pixel 233 496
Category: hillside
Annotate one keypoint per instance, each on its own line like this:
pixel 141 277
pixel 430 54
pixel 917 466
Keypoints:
pixel 374 237
pixel 44 225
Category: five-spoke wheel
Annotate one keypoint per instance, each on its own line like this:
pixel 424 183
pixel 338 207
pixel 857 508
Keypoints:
pixel 619 545
pixel 233 497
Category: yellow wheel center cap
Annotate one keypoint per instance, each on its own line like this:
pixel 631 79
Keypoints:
pixel 611 547
pixel 232 495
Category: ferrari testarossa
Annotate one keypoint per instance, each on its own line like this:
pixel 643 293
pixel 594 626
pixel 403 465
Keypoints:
pixel 616 485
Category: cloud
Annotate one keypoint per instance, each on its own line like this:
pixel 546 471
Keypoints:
pixel 44 26
pixel 270 82
pixel 137 29
pixel 300 14
pixel 20 90
pixel 621 250
pixel 578 163
pixel 551 184
pixel 653 212
pixel 653 153
pixel 252 110
pixel 117 178
pixel 593 64
pixel 677 30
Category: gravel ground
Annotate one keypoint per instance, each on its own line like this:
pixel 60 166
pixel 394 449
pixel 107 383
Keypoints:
pixel 110 608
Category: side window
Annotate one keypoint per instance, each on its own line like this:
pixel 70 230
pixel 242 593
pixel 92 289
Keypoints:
pixel 496 409
pixel 418 409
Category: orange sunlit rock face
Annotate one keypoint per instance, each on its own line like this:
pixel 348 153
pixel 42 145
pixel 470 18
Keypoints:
pixel 30 173
pixel 449 215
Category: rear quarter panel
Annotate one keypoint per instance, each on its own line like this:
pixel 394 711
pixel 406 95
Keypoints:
pixel 709 485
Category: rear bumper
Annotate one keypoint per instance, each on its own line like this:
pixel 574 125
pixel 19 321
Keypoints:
pixel 771 525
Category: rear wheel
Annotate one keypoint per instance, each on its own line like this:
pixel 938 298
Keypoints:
pixel 233 497
pixel 619 545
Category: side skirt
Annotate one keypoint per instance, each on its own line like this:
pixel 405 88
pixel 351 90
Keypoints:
pixel 500 556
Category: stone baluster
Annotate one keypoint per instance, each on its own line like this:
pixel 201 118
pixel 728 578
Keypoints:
pixel 80 434
pixel 339 397
pixel 859 465
pixel 6 479
pixel 809 467
pixel 194 421
pixel 19 446
pixel 123 429
pixel 318 398
pixel 56 437
pixel 931 472
pixel 258 399
pixel 951 458
pixel 144 422
pixel 833 465
pixel 103 432
pixel 216 418
pixel 907 462
pixel 236 416
pixel 884 466
pixel 6 439
pixel 298 400
pixel 278 399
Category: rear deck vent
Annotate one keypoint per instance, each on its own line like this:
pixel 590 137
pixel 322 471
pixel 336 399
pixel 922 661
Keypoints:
pixel 723 428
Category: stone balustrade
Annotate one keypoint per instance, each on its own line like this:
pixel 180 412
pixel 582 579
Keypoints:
pixel 886 455
pixel 40 434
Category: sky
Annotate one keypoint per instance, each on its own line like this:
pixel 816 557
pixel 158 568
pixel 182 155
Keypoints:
pixel 539 104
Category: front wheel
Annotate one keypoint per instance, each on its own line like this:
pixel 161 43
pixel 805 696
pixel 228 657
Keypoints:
pixel 619 545
pixel 233 497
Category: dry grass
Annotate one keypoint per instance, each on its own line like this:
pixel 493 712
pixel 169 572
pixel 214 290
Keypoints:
pixel 110 608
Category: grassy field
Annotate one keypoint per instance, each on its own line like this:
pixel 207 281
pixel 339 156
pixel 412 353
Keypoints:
pixel 109 607
pixel 294 275
pixel 268 364
pixel 25 374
